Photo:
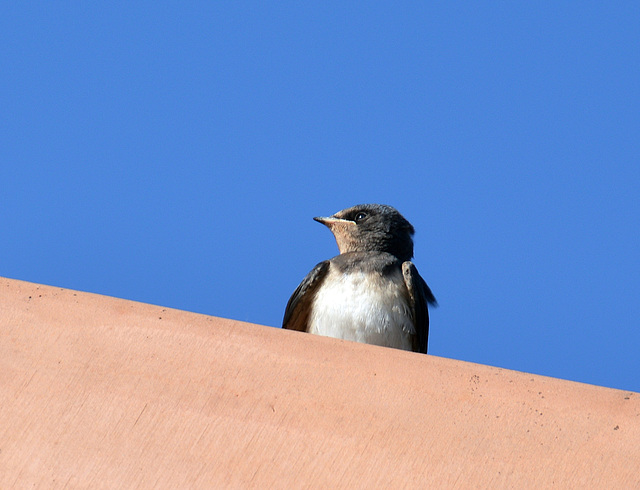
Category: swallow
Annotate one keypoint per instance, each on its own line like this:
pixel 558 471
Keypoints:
pixel 371 292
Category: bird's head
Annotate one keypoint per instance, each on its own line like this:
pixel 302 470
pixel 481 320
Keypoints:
pixel 371 228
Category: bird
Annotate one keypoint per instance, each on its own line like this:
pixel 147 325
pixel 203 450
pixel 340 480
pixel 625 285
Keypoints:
pixel 371 292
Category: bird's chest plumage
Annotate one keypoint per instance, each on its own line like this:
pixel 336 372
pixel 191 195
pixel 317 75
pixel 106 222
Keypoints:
pixel 364 307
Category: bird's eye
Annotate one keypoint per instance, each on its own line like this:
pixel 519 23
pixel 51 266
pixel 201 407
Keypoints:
pixel 360 217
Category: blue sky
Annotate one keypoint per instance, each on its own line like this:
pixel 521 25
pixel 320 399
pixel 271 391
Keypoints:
pixel 174 153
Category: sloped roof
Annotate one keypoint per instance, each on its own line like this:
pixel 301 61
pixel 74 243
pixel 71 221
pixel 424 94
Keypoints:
pixel 104 392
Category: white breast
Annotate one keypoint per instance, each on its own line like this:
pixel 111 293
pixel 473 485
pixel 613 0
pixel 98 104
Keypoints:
pixel 363 307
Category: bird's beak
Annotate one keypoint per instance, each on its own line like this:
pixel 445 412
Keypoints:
pixel 330 221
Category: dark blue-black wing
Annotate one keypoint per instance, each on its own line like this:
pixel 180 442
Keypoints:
pixel 419 296
pixel 296 315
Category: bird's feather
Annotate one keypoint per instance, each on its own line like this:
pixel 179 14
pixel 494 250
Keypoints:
pixel 296 315
pixel 420 295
